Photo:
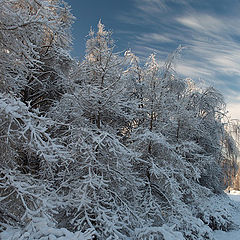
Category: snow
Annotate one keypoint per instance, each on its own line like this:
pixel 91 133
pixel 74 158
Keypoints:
pixel 167 232
pixel 41 229
pixel 235 234
pixel 235 195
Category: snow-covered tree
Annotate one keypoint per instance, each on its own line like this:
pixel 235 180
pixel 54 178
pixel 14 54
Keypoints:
pixel 100 80
pixel 34 56
pixel 178 131
pixel 101 188
pixel 34 49
pixel 30 161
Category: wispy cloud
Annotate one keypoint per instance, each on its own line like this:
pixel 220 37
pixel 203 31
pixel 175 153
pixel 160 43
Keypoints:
pixel 157 6
pixel 211 38
pixel 154 37
pixel 212 44
pixel 151 6
pixel 203 23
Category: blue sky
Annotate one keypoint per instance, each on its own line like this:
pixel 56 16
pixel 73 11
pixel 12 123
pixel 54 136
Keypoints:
pixel 209 31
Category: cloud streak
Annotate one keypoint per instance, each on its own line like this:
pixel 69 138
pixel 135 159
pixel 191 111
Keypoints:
pixel 211 38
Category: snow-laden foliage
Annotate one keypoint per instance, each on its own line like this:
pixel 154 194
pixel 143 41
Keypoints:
pixel 105 148
pixel 30 162
pixel 41 228
pixel 164 232
pixel 101 181
pixel 34 49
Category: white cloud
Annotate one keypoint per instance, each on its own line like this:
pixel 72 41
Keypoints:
pixel 157 6
pixel 190 22
pixel 212 49
pixel 154 37
pixel 202 23
pixel 151 6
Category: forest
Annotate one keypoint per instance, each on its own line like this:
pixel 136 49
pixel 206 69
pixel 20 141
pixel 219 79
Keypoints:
pixel 108 147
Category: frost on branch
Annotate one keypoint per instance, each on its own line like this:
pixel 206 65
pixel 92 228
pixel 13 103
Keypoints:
pixel 42 228
pixel 34 42
pixel 28 156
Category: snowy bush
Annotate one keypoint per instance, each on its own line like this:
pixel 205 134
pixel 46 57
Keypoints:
pixel 217 212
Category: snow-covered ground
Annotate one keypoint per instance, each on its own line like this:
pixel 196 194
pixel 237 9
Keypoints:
pixel 40 229
pixel 232 235
pixel 234 195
